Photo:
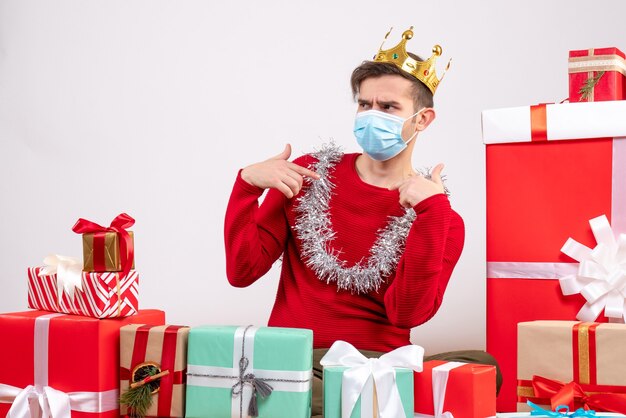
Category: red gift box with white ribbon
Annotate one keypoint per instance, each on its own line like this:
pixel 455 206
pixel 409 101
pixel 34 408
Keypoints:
pixel 58 365
pixel 550 169
pixel 445 389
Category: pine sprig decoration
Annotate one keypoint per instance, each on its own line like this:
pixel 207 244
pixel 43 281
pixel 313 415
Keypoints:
pixel 587 89
pixel 138 398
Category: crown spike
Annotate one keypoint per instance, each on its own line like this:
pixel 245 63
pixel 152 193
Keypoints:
pixel 408 34
pixel 385 38
pixel 445 70
pixel 424 71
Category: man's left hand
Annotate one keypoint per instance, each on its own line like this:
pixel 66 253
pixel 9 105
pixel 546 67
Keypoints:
pixel 417 188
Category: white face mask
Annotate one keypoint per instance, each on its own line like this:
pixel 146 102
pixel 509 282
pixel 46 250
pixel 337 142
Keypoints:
pixel 380 134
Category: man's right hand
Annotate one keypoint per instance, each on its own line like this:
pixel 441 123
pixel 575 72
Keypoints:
pixel 278 173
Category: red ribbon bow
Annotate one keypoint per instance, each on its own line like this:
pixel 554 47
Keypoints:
pixel 573 395
pixel 118 225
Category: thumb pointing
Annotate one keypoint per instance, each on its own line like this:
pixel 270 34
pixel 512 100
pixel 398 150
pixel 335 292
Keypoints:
pixel 436 174
pixel 285 154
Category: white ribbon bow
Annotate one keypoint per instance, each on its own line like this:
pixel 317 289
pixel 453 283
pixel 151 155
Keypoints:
pixel 47 402
pixel 601 277
pixel 69 271
pixel 362 370
pixel 51 402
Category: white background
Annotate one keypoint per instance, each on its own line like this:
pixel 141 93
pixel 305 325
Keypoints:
pixel 150 107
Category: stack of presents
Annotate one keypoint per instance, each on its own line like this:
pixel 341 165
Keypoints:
pixel 556 201
pixel 556 243
pixel 87 350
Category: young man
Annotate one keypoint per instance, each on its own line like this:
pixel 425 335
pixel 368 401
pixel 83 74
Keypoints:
pixel 368 244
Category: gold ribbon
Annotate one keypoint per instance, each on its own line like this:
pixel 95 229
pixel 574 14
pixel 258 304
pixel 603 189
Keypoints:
pixel 119 294
pixel 592 63
pixel 583 353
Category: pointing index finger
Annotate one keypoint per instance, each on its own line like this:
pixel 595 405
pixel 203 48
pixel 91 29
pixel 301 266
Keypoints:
pixel 305 171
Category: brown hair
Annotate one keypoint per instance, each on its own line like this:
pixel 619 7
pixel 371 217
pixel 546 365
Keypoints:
pixel 422 96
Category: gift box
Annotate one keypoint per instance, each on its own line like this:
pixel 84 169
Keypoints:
pixel 527 414
pixel 578 364
pixel 550 169
pixel 150 350
pixel 101 251
pixel 236 371
pixel 367 403
pixel 68 364
pixel 359 387
pixel 99 295
pixel 107 248
pixel 461 389
pixel 597 74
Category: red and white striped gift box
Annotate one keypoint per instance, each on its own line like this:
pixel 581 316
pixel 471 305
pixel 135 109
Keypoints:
pixel 103 294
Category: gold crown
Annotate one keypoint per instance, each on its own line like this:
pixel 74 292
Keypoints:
pixel 424 71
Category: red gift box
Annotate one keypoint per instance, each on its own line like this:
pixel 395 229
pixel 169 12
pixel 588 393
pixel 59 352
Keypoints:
pixel 470 391
pixel 63 361
pixel 542 190
pixel 603 68
pixel 103 295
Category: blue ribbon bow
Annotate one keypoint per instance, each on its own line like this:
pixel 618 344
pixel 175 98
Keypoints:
pixel 561 411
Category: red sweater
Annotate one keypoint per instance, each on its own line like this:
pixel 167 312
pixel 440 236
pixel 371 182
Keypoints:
pixel 256 236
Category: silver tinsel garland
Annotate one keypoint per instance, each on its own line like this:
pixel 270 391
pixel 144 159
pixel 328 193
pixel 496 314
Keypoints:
pixel 314 229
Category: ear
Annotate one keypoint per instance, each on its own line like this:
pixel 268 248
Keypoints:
pixel 425 118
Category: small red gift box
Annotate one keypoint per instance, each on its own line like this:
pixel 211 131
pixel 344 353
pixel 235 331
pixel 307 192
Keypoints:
pixel 596 75
pixel 101 295
pixel 109 248
pixel 464 389
pixel 66 363
pixel 550 169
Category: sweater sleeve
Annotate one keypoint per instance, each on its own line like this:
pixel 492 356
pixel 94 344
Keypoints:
pixel 254 236
pixel 433 247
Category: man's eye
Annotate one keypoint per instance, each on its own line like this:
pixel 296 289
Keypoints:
pixel 387 107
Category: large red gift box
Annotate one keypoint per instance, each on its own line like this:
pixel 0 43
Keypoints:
pixel 463 389
pixel 604 68
pixel 63 361
pixel 102 295
pixel 550 169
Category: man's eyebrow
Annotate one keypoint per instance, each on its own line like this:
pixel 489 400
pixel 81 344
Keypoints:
pixel 364 101
pixel 388 103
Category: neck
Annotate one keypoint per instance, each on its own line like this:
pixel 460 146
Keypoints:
pixel 384 173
